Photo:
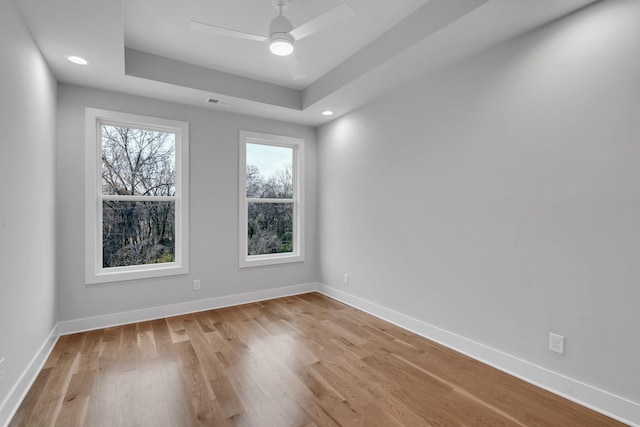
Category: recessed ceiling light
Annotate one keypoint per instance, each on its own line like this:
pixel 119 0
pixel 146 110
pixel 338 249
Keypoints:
pixel 327 113
pixel 77 60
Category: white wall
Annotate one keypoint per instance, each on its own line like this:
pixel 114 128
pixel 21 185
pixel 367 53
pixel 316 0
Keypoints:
pixel 213 209
pixel 499 199
pixel 27 200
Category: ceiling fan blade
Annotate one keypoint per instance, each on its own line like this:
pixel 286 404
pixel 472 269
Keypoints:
pixel 332 17
pixel 294 67
pixel 221 31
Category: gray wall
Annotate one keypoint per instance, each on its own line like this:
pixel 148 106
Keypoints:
pixel 27 198
pixel 499 200
pixel 213 209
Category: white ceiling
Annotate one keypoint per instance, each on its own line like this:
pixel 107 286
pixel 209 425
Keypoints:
pixel 385 44
pixel 162 27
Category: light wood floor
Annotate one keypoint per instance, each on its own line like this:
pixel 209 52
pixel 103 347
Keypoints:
pixel 299 361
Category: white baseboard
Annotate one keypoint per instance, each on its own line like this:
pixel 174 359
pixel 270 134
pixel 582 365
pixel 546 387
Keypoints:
pixel 609 404
pixel 98 322
pixel 11 403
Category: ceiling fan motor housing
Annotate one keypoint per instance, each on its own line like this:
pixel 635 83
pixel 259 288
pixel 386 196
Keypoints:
pixel 280 28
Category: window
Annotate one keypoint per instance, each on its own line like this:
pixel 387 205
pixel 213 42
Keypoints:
pixel 271 199
pixel 136 197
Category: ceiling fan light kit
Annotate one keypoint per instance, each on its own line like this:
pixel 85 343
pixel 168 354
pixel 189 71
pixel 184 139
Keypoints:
pixel 281 46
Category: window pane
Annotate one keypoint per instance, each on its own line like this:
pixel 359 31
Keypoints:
pixel 269 171
pixel 270 228
pixel 137 233
pixel 138 161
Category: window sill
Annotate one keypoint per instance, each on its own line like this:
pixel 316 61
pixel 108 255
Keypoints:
pixel 271 259
pixel 135 273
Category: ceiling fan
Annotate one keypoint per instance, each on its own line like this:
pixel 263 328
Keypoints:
pixel 282 35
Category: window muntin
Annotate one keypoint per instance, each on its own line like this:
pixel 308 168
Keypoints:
pixel 137 197
pixel 270 199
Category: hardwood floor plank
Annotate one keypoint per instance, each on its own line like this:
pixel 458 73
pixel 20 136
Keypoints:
pixel 186 354
pixel 92 341
pixel 76 400
pixel 49 403
pixel 26 407
pixel 229 352
pixel 315 412
pixel 176 329
pixel 108 360
pixel 227 396
pixel 177 400
pixel 210 364
pixel 73 413
pixel 361 399
pixel 205 322
pixel 87 361
pixel 248 392
pixel 146 342
pixel 304 360
pixel 104 397
pixel 431 397
pixel 164 344
pixel 201 396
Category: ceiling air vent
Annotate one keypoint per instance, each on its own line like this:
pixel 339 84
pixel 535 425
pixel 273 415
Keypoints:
pixel 219 102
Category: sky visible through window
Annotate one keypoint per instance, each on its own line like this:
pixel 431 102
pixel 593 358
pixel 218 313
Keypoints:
pixel 269 159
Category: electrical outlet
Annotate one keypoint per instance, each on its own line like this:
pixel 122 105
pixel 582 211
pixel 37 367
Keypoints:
pixel 345 279
pixel 1 369
pixel 196 285
pixel 556 343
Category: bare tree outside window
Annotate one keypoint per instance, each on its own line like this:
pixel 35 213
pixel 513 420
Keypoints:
pixel 269 176
pixel 137 164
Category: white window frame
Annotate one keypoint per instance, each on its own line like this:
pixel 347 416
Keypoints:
pixel 94 270
pixel 297 144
